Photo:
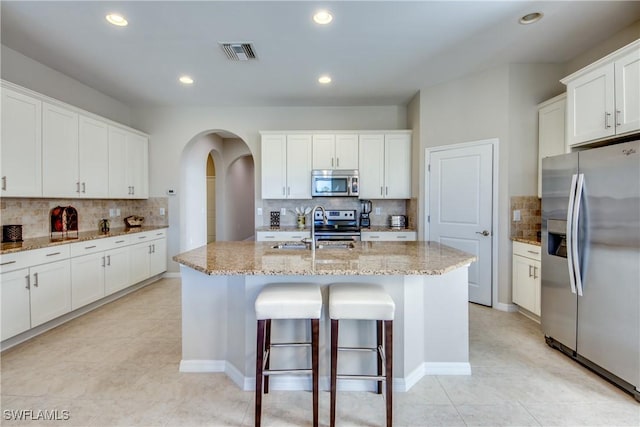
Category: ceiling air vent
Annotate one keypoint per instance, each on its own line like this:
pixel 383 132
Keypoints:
pixel 238 51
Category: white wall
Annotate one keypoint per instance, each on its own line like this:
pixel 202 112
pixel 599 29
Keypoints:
pixel 172 129
pixel 26 72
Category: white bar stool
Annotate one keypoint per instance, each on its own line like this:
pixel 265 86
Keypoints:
pixel 363 301
pixel 286 301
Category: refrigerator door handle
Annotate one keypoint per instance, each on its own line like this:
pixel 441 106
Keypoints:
pixel 574 234
pixel 572 199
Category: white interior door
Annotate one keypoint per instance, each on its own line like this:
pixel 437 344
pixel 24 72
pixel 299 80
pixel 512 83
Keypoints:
pixel 460 209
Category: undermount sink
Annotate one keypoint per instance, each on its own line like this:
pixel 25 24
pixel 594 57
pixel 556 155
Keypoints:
pixel 321 245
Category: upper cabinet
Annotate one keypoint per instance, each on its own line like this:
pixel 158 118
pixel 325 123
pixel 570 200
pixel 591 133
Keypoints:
pixel 286 166
pixel 51 149
pixel 385 166
pixel 335 151
pixel 21 147
pixel 603 99
pixel 551 131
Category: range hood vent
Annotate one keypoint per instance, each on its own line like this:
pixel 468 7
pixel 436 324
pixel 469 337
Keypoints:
pixel 238 51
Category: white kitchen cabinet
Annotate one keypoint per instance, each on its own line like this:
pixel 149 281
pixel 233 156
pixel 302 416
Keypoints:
pixel 603 99
pixel 335 151
pixel 388 236
pixel 148 256
pixel 128 164
pixel 282 236
pixel 21 148
pixel 551 131
pixel 14 303
pixel 93 154
pixel 50 291
pixel 385 166
pixel 117 270
pixel 286 166
pixel 526 276
pixel 59 152
pixel 87 279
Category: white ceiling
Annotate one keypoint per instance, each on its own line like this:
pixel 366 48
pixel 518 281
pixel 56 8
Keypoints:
pixel 378 53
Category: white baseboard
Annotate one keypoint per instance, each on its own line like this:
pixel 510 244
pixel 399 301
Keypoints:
pixel 446 368
pixel 506 307
pixel 171 275
pixel 202 366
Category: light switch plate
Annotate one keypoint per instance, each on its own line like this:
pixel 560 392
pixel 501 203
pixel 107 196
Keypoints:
pixel 378 211
pixel 161 211
pixel 516 215
pixel 259 211
pixel 283 211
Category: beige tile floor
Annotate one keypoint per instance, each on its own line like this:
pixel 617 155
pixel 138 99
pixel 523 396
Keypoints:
pixel 118 366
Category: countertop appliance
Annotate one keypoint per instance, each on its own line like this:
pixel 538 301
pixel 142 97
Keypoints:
pixel 342 225
pixel 365 210
pixel 334 183
pixel 398 221
pixel 591 259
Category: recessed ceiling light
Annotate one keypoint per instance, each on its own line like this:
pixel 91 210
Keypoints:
pixel 322 17
pixel 116 19
pixel 186 80
pixel 530 18
pixel 324 79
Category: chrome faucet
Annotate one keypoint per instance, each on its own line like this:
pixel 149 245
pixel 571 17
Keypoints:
pixel 313 224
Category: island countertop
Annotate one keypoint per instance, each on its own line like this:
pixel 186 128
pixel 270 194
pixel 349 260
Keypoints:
pixel 367 258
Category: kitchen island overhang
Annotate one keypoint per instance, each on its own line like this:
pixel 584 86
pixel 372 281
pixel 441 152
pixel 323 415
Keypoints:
pixel 428 282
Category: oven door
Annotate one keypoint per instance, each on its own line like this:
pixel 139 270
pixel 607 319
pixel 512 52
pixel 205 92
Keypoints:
pixel 336 236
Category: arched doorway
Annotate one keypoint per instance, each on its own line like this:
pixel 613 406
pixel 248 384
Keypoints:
pixel 232 161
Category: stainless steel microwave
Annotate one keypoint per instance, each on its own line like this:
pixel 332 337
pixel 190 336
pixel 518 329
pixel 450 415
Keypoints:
pixel 334 183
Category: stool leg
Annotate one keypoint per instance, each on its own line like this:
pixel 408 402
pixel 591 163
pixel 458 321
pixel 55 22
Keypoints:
pixel 267 348
pixel 315 353
pixel 259 356
pixel 378 344
pixel 334 370
pixel 388 349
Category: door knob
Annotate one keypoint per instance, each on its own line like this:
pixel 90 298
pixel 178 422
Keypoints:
pixel 483 232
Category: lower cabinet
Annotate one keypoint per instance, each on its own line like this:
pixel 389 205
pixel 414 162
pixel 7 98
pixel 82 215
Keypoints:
pixel 40 285
pixel 15 314
pixel 387 236
pixel 282 236
pixel 526 276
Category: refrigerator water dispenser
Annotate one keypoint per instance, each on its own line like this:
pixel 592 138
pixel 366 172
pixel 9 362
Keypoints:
pixel 557 242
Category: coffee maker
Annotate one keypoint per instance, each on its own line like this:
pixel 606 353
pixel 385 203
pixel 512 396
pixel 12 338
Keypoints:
pixel 365 210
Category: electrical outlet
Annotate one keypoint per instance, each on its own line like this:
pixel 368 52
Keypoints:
pixel 516 215
pixel 378 211
pixel 112 212
pixel 161 211
pixel 259 211
pixel 283 211
pixel 117 211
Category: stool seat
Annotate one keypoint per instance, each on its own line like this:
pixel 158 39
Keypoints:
pixel 362 301
pixel 289 301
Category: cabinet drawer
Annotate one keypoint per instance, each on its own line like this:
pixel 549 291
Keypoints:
pixel 87 247
pixel 389 236
pixel 14 261
pixel 527 250
pixel 158 234
pixel 282 236
pixel 47 255
pixel 141 237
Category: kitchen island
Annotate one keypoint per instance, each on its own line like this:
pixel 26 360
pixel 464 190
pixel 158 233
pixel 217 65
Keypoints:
pixel 427 281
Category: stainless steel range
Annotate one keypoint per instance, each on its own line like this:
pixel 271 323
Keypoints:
pixel 341 225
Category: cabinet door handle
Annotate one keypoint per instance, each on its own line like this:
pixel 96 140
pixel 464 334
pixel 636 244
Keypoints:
pixel 54 253
pixel 149 248
pixel 401 237
pixel 84 187
pixel 332 162
pixel 4 183
pixel 533 252
pixel 529 271
pixel 288 191
pixel 382 191
pixel 606 120
pixel 77 187
pixel 387 191
pixel 90 247
pixel 35 278
pixel 338 162
pixel 534 272
pixel 374 237
pixel 8 262
pixel 618 113
pixel 108 260
pixel 103 263
pixel 28 282
pixel 119 241
pixel 133 189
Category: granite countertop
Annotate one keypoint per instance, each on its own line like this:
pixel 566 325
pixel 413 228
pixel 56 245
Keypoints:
pixel 46 241
pixel 526 240
pixel 367 258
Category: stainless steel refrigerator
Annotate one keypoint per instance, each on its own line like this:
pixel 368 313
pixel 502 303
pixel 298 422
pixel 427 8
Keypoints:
pixel 591 259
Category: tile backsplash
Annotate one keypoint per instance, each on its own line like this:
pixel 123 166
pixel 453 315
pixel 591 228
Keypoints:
pixel 530 217
pixel 387 207
pixel 33 214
